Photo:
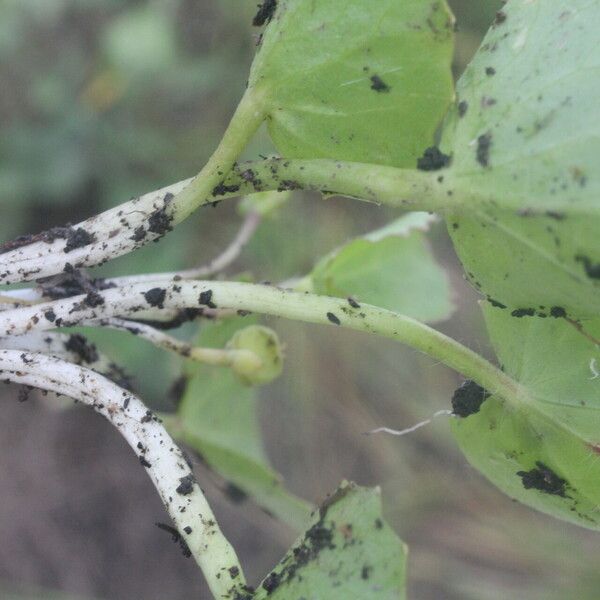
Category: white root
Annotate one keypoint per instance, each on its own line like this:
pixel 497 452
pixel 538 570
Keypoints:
pixel 72 347
pixel 417 426
pixel 110 234
pixel 157 453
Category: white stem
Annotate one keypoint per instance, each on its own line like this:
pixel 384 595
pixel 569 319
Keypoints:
pixel 72 347
pixel 157 452
pixel 135 223
pixel 114 232
pixel 129 300
pixel 14 298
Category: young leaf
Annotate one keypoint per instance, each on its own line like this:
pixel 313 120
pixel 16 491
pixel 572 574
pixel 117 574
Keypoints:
pixel 348 552
pixel 392 267
pixel 546 454
pixel 218 417
pixel 525 140
pixel 359 80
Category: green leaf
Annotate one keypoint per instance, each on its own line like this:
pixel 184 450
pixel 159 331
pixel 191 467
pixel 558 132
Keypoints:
pixel 525 140
pixel 546 453
pixel 392 267
pixel 348 552
pixel 218 417
pixel 363 81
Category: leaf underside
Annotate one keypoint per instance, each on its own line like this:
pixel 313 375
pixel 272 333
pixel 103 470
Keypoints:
pixel 525 139
pixel 348 552
pixel 559 429
pixel 392 267
pixel 358 81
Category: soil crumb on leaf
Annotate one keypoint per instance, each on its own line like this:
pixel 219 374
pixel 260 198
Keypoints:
pixel 544 479
pixel 265 13
pixel 468 398
pixel 433 159
pixel 378 85
pixel 484 144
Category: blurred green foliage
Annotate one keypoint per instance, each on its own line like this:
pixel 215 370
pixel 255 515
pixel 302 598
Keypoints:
pixel 101 100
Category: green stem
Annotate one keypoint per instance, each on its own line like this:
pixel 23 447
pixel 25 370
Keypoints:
pixel 400 188
pixel 308 307
pixel 326 310
pixel 205 187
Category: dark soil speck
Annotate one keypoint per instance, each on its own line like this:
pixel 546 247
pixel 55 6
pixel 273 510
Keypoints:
pixel 186 485
pixel 592 269
pixel 78 238
pixel 378 85
pixel 484 144
pixel 433 159
pixel 156 297
pixel 543 479
pixel 333 318
pixel 265 13
pixel 468 398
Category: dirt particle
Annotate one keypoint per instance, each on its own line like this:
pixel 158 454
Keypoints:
pixel 147 417
pixel 233 572
pixel 156 297
pixel 288 185
pixel 221 189
pixel 353 303
pixel 144 462
pixel 265 13
pixel 500 18
pixel 93 299
pixel 433 159
pixel 186 485
pixel 484 144
pixel 543 479
pixel 78 238
pixel 592 269
pixel 495 303
pixel 176 537
pixel 333 319
pixel 490 71
pixel 205 299
pixel 558 312
pixel 139 233
pixel 183 316
pixel 468 398
pixel 378 85
pixel 463 107
pixel 86 351
pixel 271 582
pixel 523 312
pixel 159 222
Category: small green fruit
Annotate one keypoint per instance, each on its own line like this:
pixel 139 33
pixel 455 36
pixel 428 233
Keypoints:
pixel 262 343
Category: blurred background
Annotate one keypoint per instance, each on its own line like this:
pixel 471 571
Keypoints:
pixel 101 100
